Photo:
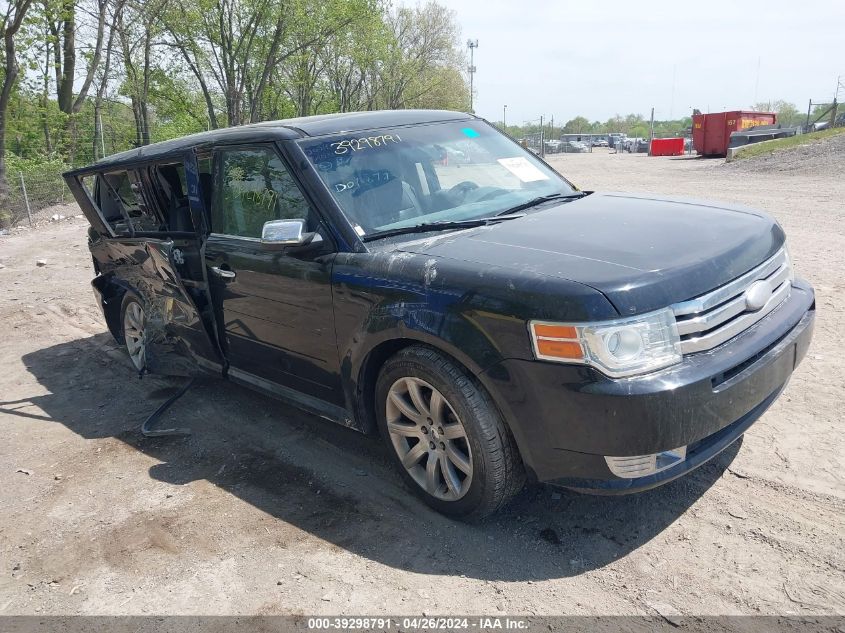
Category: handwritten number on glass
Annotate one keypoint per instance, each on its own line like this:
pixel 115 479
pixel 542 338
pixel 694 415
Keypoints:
pixel 365 142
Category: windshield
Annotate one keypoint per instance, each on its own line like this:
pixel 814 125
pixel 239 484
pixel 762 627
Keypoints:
pixel 441 172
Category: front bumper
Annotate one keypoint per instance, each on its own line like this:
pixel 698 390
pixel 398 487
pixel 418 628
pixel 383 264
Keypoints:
pixel 567 418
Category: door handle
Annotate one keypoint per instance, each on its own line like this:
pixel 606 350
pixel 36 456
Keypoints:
pixel 223 273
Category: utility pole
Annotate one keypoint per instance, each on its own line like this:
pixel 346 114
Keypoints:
pixel 504 118
pixel 102 140
pixel 472 45
pixel 542 143
pixel 651 134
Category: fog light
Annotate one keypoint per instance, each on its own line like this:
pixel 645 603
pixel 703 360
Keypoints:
pixel 643 465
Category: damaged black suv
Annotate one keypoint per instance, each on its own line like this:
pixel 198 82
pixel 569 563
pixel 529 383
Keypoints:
pixel 420 274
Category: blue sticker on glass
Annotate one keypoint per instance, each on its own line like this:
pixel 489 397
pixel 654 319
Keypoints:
pixel 469 132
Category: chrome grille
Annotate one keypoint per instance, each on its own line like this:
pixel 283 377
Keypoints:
pixel 711 319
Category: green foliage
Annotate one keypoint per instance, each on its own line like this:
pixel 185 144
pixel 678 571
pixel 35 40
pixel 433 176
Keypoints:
pixel 788 114
pixel 35 167
pixel 578 125
pixel 175 68
pixel 766 147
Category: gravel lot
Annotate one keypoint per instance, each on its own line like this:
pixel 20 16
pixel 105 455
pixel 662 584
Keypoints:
pixel 268 510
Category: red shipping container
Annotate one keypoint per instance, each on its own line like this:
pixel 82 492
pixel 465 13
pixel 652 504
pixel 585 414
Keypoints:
pixel 666 147
pixel 711 132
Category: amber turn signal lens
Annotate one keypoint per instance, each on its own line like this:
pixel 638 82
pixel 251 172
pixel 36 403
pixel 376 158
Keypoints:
pixel 560 349
pixel 555 331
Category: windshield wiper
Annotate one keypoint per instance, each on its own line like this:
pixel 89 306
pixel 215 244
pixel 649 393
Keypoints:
pixel 442 226
pixel 541 199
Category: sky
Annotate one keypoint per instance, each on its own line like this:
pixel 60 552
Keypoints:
pixel 598 58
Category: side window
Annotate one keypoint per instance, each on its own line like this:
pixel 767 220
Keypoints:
pixel 118 198
pixel 171 179
pixel 253 186
pixel 204 183
pixel 168 183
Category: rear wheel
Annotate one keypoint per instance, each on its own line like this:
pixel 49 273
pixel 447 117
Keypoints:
pixel 134 322
pixel 446 435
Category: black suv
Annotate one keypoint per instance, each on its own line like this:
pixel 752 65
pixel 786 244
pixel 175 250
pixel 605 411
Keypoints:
pixel 482 313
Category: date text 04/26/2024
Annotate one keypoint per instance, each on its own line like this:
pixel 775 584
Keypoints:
pixel 484 623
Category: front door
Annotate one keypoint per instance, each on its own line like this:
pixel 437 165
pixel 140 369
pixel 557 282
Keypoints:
pixel 274 308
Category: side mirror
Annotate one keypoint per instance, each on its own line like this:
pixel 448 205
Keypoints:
pixel 283 233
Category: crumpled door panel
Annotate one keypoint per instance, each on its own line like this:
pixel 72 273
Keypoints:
pixel 178 341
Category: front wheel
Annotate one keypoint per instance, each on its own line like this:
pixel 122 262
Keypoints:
pixel 446 435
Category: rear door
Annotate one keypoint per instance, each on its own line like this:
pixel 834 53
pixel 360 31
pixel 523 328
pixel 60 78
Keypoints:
pixel 133 248
pixel 274 308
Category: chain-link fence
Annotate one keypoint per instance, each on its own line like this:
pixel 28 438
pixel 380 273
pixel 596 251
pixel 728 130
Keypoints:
pixel 563 143
pixel 35 196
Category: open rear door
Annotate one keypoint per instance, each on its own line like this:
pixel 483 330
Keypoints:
pixel 177 338
pixel 165 268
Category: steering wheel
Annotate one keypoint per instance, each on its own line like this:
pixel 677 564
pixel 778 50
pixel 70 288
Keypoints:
pixel 463 188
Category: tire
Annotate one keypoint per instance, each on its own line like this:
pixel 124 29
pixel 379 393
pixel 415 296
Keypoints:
pixel 133 322
pixel 462 461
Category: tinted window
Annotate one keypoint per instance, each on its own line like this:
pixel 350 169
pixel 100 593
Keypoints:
pixel 252 187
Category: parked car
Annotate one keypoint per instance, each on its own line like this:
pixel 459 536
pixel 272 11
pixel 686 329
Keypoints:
pixel 635 145
pixel 490 320
pixel 600 143
pixel 616 140
pixel 573 147
pixel 553 146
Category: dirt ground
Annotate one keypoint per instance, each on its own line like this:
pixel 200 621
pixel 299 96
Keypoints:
pixel 266 510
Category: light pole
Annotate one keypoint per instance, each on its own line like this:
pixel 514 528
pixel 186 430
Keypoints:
pixel 542 143
pixel 504 118
pixel 472 44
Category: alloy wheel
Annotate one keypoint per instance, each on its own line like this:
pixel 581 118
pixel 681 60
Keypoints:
pixel 134 322
pixel 429 438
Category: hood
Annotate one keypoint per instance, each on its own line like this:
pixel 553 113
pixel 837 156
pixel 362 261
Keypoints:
pixel 642 252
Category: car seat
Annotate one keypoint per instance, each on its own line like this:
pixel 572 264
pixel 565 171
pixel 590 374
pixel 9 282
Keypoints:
pixel 381 196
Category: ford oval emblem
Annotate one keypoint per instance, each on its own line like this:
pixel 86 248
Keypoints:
pixel 757 295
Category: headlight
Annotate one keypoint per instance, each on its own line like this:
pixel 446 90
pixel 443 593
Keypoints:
pixel 619 348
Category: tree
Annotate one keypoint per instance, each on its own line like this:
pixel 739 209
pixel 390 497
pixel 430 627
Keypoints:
pixel 136 26
pixel 234 48
pixel 788 114
pixel 10 24
pixel 423 41
pixel 98 151
pixel 123 73
pixel 350 62
pixel 578 125
pixel 61 16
